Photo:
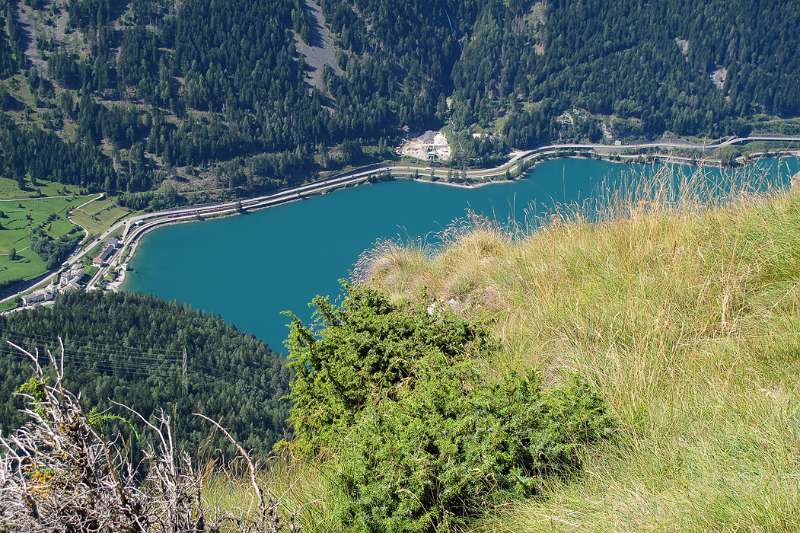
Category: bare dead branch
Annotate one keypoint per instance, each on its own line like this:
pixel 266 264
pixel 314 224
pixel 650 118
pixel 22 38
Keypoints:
pixel 60 473
pixel 262 508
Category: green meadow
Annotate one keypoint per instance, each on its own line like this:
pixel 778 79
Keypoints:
pixel 99 215
pixel 43 205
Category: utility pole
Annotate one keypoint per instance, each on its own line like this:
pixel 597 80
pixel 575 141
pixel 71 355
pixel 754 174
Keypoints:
pixel 183 368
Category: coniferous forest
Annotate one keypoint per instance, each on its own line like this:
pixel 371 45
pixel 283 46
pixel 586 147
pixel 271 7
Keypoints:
pixel 123 96
pixel 130 348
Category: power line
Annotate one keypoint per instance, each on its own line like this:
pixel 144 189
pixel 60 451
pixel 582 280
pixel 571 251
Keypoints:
pixel 91 363
pixel 145 365
pixel 50 343
pixel 49 339
pixel 106 363
pixel 133 356
pixel 97 349
pixel 88 365
pixel 140 369
pixel 146 372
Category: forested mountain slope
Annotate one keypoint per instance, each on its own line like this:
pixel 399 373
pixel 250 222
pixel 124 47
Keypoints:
pixel 210 94
pixel 130 348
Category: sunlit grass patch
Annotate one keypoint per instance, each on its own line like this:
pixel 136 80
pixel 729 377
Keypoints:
pixel 683 307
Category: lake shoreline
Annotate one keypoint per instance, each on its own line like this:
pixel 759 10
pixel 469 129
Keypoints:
pixel 284 257
pixel 470 186
pixel 517 168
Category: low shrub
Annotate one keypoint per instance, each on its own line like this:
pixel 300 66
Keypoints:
pixel 453 448
pixel 422 442
pixel 361 353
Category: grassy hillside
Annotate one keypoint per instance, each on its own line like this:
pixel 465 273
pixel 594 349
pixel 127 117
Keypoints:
pixel 688 320
pixel 42 205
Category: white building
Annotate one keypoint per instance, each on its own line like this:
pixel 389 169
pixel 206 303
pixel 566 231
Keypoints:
pixel 38 297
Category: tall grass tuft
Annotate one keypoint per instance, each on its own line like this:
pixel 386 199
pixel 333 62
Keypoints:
pixel 680 299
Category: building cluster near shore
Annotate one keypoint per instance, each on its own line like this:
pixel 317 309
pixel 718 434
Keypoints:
pixel 70 278
pixel 106 253
pixel 39 297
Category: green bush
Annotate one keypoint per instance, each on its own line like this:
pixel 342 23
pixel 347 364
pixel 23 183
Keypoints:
pixel 360 354
pixel 454 447
pixel 422 442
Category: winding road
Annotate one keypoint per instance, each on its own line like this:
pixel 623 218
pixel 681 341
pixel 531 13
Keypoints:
pixel 133 228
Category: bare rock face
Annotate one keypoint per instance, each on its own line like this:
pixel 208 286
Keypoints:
pixel 321 51
pixel 719 77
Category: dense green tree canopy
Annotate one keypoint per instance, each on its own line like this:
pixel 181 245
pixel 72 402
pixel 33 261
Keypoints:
pixel 129 348
pixel 224 81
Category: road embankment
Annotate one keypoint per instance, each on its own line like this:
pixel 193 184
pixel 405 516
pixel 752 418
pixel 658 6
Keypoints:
pixel 133 229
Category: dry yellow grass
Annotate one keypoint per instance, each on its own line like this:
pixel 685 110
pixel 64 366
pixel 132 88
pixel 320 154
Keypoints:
pixel 686 317
pixel 299 487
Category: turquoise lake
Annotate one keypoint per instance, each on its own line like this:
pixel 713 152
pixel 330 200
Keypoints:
pixel 247 269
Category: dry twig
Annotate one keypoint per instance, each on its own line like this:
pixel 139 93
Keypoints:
pixel 59 472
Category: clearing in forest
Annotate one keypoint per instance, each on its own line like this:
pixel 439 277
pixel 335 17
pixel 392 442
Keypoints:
pixel 320 51
pixel 22 213
pixel 430 146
